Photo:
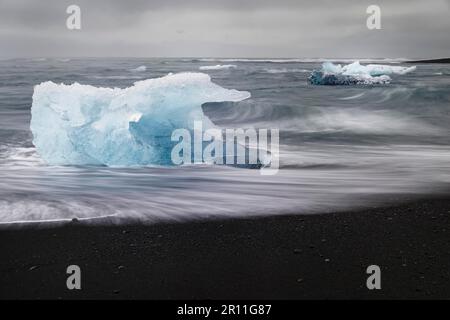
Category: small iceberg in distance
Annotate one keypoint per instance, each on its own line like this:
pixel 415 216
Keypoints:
pixel 86 125
pixel 218 67
pixel 355 74
pixel 139 69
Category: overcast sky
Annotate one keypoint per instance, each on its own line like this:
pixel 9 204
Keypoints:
pixel 225 28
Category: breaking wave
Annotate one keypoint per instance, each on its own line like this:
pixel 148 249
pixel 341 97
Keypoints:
pixel 139 69
pixel 218 67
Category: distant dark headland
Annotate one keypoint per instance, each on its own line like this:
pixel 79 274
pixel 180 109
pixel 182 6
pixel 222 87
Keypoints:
pixel 441 60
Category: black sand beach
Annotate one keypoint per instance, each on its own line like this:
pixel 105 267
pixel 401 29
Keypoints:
pixel 288 257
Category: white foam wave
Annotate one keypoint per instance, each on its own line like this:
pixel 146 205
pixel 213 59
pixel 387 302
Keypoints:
pixel 218 67
pixel 39 211
pixel 356 96
pixel 139 69
pixel 20 157
pixel 118 77
pixel 354 120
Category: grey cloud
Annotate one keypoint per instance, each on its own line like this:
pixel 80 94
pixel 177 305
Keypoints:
pixel 239 28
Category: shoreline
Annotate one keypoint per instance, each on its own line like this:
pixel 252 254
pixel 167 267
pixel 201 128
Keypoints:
pixel 440 60
pixel 320 256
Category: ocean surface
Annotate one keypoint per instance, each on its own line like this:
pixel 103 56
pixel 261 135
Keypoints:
pixel 341 147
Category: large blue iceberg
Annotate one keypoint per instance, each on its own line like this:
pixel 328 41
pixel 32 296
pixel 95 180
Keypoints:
pixel 355 73
pixel 82 124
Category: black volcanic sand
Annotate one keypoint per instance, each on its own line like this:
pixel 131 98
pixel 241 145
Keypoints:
pixel 288 257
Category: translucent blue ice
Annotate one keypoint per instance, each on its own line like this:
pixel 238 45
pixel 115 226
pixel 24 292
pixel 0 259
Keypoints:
pixel 82 124
pixel 355 73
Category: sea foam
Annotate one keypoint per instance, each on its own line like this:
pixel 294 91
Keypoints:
pixel 218 67
pixel 139 69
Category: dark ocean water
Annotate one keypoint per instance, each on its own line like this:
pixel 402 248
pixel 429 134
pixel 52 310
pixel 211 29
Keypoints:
pixel 340 146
